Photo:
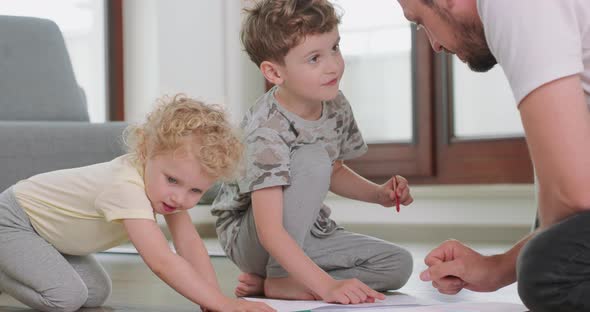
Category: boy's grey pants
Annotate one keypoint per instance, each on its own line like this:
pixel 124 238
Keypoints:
pixel 36 274
pixel 553 268
pixel 379 264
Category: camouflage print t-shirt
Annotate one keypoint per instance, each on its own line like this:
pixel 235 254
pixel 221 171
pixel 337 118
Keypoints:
pixel 272 134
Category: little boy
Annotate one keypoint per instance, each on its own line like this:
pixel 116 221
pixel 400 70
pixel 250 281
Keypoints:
pixel 272 222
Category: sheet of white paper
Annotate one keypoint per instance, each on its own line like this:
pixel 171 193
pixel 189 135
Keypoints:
pixel 395 299
pixel 395 302
pixel 447 307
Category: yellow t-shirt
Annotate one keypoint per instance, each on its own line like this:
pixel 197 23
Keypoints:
pixel 79 210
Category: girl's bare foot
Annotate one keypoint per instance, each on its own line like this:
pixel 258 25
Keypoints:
pixel 287 288
pixel 249 285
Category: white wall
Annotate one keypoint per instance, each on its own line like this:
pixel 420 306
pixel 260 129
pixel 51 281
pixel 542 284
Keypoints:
pixel 141 72
pixel 186 46
pixel 483 103
pixel 379 89
pixel 243 81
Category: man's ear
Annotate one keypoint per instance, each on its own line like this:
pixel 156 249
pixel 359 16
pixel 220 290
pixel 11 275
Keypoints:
pixel 272 72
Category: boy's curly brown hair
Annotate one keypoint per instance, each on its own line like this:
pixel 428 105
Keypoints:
pixel 272 27
pixel 179 122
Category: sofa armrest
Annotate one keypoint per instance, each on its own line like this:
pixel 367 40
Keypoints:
pixel 29 148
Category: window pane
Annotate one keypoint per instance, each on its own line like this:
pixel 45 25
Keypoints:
pixel 483 104
pixel 82 23
pixel 377 45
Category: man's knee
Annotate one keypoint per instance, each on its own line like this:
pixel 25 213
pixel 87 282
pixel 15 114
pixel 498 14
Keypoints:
pixel 538 273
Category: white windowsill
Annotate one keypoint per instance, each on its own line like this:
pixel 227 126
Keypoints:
pixel 502 204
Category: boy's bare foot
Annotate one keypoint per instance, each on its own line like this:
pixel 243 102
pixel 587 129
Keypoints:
pixel 287 288
pixel 249 285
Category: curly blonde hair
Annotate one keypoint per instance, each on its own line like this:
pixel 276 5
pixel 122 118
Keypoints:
pixel 272 27
pixel 181 122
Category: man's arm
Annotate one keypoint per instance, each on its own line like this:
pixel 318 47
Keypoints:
pixel 557 125
pixel 453 266
pixel 556 120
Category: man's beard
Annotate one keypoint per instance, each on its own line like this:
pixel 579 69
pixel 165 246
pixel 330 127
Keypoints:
pixel 476 51
pixel 472 40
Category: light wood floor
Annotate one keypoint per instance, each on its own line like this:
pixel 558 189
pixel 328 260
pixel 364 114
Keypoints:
pixel 136 288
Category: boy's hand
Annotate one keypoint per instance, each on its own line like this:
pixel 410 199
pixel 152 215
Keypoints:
pixel 351 291
pixel 387 191
pixel 241 305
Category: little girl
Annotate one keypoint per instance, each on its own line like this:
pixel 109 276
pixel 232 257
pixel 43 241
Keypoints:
pixel 51 223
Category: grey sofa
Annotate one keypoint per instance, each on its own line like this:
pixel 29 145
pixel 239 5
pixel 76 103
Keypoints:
pixel 44 122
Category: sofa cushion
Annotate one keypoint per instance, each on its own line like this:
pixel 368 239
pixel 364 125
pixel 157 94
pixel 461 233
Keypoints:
pixel 36 77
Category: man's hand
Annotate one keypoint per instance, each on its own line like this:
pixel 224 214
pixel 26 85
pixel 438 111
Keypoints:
pixel 453 266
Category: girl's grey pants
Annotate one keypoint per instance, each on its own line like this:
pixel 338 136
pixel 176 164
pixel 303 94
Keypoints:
pixel 36 274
